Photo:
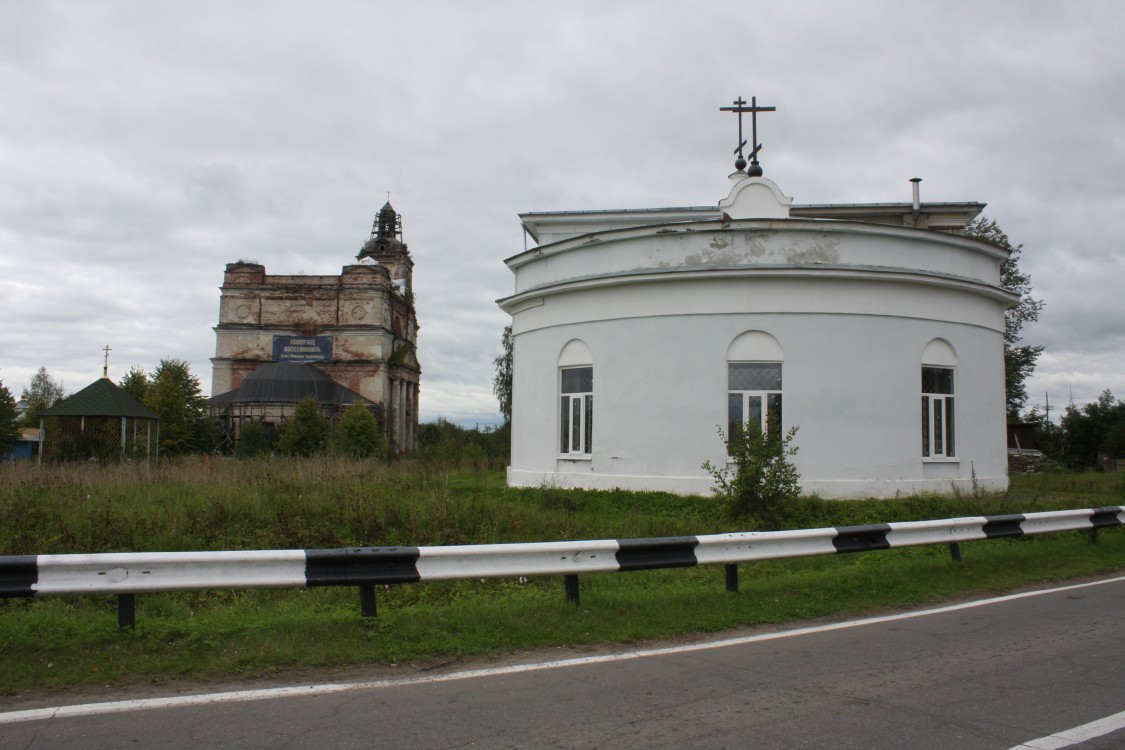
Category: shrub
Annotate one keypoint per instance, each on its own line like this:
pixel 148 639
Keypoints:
pixel 254 440
pixel 358 433
pixel 446 441
pixel 759 479
pixel 306 434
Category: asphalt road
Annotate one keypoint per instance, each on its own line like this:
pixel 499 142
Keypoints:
pixel 991 676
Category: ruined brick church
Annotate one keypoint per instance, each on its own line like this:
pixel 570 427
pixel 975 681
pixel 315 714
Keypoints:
pixel 342 339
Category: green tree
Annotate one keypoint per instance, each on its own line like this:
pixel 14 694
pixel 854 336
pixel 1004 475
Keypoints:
pixel 502 381
pixel 358 433
pixel 1097 426
pixel 306 434
pixel 1048 436
pixel 1019 359
pixel 443 440
pixel 9 429
pixel 43 392
pixel 135 383
pixel 253 440
pixel 1114 443
pixel 174 394
pixel 759 479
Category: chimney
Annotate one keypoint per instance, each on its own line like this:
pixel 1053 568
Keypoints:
pixel 917 202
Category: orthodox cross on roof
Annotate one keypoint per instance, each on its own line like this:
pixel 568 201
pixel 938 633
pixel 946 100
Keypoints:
pixel 105 367
pixel 740 107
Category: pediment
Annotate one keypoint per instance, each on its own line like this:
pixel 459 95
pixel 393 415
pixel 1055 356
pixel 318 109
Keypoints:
pixel 755 198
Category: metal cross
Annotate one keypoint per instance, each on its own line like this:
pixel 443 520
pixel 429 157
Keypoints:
pixel 739 107
pixel 105 368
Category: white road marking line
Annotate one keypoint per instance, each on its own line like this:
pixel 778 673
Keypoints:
pixel 141 704
pixel 1077 735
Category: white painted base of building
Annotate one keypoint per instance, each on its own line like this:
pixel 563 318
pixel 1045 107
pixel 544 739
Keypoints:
pixel 837 489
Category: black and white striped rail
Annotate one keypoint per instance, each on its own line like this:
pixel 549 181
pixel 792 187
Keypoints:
pixel 129 573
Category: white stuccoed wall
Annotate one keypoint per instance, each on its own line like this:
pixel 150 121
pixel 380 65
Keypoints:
pixel 852 305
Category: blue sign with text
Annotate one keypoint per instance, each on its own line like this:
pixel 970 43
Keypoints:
pixel 302 348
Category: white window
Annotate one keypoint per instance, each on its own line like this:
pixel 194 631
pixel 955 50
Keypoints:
pixel 576 411
pixel 938 413
pixel 753 396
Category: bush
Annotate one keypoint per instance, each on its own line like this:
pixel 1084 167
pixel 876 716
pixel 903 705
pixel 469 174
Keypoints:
pixel 358 434
pixel 761 480
pixel 306 434
pixel 449 442
pixel 254 440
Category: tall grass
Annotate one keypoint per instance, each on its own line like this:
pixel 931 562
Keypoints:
pixel 299 503
pixel 213 504
pixel 193 504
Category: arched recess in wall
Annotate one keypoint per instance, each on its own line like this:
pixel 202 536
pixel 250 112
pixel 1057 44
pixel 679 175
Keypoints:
pixel 940 353
pixel 576 393
pixel 754 383
pixel 575 353
pixel 755 346
pixel 939 401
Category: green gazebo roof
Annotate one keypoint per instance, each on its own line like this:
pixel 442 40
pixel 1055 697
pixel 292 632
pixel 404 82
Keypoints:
pixel 102 398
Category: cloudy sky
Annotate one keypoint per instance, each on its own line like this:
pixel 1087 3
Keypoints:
pixel 143 145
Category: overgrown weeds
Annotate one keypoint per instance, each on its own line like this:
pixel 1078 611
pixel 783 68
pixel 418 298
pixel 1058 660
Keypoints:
pixel 191 504
pixel 321 501
pixel 330 501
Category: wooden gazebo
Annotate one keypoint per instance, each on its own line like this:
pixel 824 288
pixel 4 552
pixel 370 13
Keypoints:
pixel 100 422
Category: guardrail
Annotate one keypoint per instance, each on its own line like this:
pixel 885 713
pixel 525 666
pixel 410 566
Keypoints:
pixel 126 574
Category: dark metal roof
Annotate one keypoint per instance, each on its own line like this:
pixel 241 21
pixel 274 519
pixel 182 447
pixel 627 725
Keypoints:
pixel 102 398
pixel 288 383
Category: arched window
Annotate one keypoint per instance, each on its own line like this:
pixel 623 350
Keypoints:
pixel 576 396
pixel 754 361
pixel 939 412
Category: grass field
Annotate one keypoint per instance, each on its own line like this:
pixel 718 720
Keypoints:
pixel 52 644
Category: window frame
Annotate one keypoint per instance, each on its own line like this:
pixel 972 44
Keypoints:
pixel 769 400
pixel 939 416
pixel 576 416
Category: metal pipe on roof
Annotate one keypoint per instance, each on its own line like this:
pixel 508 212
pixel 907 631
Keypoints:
pixel 917 201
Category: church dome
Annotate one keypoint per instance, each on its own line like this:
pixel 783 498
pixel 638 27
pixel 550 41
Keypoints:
pixel 384 234
pixel 387 213
pixel 288 383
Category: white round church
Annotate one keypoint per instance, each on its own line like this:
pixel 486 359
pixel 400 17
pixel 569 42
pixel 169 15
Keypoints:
pixel 876 330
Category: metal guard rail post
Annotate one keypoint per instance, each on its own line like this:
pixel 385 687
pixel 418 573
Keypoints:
pixel 126 574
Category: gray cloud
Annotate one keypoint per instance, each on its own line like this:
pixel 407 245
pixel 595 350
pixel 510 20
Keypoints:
pixel 145 145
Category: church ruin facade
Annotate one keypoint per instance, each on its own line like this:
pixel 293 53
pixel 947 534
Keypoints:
pixel 358 328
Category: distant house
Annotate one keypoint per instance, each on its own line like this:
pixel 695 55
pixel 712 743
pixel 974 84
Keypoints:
pixel 876 329
pixel 99 422
pixel 28 440
pixel 24 447
pixel 1023 451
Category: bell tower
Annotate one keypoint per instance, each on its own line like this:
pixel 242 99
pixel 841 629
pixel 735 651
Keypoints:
pixel 385 246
